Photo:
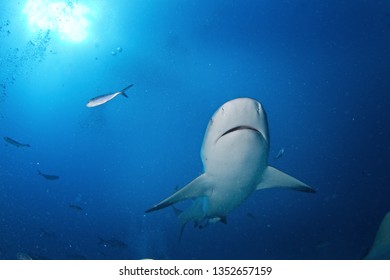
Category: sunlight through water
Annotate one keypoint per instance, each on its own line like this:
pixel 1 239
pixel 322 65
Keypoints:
pixel 67 18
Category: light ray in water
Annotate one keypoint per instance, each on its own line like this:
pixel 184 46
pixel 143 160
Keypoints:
pixel 69 19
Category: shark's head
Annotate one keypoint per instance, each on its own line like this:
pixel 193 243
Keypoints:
pixel 237 115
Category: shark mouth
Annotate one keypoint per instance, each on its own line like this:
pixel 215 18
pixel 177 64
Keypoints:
pixel 240 127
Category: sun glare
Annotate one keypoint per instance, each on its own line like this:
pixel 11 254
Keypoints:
pixel 67 18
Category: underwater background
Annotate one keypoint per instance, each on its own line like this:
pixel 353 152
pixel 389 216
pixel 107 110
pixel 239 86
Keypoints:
pixel 321 69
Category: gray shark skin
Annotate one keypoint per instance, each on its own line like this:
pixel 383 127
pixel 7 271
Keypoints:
pixel 380 249
pixel 235 154
pixel 101 99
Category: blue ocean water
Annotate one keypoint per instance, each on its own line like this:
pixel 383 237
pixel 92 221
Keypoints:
pixel 320 68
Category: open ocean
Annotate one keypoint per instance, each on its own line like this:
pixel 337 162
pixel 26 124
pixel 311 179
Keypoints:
pixel 321 69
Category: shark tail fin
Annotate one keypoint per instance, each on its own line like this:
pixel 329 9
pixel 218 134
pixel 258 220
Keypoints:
pixel 273 178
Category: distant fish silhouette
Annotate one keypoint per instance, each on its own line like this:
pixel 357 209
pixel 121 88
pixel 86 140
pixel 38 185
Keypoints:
pixel 14 142
pixel 48 177
pixel 113 243
pixel 45 233
pixel 280 153
pixel 76 207
pixel 101 99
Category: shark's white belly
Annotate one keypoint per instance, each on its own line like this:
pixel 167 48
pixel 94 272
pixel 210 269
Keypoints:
pixel 235 169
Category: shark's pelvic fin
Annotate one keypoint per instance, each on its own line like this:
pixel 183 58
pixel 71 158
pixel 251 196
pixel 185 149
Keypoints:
pixel 201 186
pixel 273 178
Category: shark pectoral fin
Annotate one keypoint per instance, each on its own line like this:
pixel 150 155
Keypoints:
pixel 273 178
pixel 201 186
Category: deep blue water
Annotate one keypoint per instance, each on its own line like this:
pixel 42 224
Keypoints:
pixel 321 69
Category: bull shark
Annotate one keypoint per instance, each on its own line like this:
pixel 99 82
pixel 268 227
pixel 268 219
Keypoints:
pixel 234 154
pixel 101 99
pixel 380 249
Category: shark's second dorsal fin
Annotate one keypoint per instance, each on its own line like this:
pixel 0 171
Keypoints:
pixel 273 178
pixel 201 186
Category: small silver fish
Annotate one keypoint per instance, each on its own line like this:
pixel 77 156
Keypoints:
pixel 280 153
pixel 101 99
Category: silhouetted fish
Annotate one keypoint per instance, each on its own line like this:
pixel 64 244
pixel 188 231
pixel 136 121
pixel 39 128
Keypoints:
pixel 113 243
pixel 14 142
pixel 48 177
pixel 45 233
pixel 280 153
pixel 76 207
pixel 101 99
